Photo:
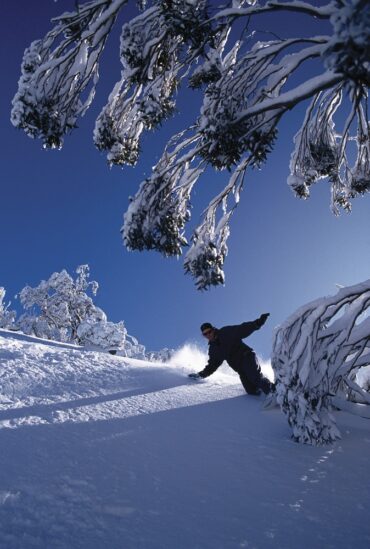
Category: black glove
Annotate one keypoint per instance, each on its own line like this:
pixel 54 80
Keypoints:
pixel 262 319
pixel 194 376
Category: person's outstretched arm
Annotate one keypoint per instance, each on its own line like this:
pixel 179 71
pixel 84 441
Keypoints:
pixel 247 328
pixel 211 367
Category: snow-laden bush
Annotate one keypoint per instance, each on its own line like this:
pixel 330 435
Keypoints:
pixel 60 309
pixel 315 354
pixel 7 317
pixel 32 324
pixel 133 349
pixel 246 84
pixel 59 305
pixel 164 355
pixel 102 334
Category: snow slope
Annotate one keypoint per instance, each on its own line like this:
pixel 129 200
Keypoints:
pixel 104 452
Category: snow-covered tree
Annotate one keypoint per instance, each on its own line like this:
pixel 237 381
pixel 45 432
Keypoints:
pixel 133 349
pixel 249 83
pixel 102 334
pixel 164 355
pixel 7 317
pixel 57 306
pixel 39 326
pixel 60 309
pixel 316 353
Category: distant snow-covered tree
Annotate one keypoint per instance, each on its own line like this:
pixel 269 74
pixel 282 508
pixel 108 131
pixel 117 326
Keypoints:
pixel 57 306
pixel 316 354
pixel 248 85
pixel 7 317
pixel 164 355
pixel 60 308
pixel 133 349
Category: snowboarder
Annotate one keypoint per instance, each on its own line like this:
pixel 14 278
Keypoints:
pixel 226 344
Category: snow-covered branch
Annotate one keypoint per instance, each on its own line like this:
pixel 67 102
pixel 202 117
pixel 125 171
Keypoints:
pixel 205 259
pixel 315 352
pixel 7 316
pixel 323 12
pixel 320 152
pixel 159 211
pixel 58 69
pixel 248 85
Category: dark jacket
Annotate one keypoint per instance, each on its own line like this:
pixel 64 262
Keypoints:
pixel 228 345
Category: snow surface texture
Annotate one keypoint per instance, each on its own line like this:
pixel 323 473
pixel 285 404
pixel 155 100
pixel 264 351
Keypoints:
pixel 101 451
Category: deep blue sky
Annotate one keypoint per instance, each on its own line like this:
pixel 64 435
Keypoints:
pixel 59 209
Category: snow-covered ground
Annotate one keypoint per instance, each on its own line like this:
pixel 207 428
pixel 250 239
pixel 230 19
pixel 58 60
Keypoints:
pixel 105 452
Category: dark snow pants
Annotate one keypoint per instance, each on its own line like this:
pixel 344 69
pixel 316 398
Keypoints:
pixel 251 376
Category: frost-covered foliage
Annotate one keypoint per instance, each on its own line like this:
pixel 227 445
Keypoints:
pixel 320 153
pixel 248 84
pixel 57 306
pixel 7 317
pixel 133 349
pixel 112 337
pixel 143 97
pixel 58 70
pixel 39 326
pixel 61 309
pixel 349 47
pixel 316 355
pixel 164 355
pixel 363 378
pixel 157 214
pixel 102 334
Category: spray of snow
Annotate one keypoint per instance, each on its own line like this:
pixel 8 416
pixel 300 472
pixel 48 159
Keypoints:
pixel 191 357
pixel 266 368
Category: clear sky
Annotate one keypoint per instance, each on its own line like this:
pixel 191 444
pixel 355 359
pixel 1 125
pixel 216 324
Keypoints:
pixel 60 209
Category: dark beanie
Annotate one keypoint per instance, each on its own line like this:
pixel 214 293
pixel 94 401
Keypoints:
pixel 206 326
